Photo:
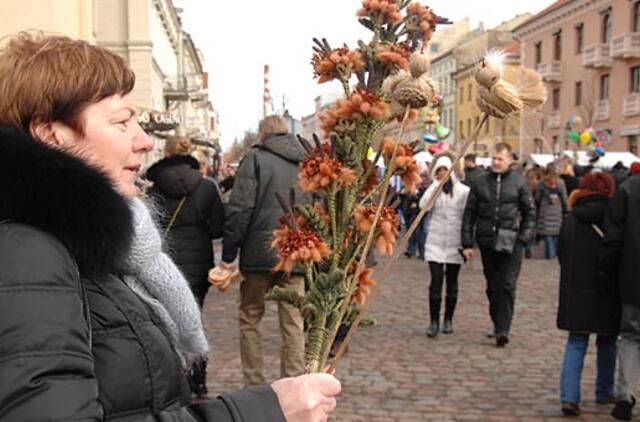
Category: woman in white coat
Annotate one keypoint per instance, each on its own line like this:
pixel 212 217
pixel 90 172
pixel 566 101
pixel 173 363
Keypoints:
pixel 442 248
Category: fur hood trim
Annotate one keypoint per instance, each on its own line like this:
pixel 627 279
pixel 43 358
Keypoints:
pixel 57 193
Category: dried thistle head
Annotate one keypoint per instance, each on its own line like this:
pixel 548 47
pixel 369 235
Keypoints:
pixel 320 172
pixel 336 63
pixel 386 230
pixel 380 11
pixel 298 247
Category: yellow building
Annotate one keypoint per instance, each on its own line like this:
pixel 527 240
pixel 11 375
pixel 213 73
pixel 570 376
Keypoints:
pixel 468 115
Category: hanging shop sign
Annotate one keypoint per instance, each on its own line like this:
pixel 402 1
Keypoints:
pixel 157 121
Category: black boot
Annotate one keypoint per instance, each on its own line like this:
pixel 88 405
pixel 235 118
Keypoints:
pixel 449 309
pixel 198 378
pixel 434 312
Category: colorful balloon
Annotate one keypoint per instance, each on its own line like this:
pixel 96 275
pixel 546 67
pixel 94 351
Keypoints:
pixel 430 138
pixel 600 151
pixel 585 138
pixel 576 123
pixel 574 136
pixel 442 131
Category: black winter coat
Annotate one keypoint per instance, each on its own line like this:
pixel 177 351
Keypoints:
pixel 76 343
pixel 253 210
pixel 483 218
pixel 586 305
pixel 620 256
pixel 200 219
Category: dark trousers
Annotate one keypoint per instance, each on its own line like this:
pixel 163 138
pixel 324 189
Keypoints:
pixel 501 272
pixel 438 273
pixel 417 240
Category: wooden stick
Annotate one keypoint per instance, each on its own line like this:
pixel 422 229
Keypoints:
pixel 400 247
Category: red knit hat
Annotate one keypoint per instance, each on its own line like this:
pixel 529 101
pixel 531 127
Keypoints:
pixel 599 182
pixel 635 168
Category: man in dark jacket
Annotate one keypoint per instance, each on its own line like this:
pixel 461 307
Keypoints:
pixel 620 261
pixel 252 215
pixel 500 212
pixel 471 169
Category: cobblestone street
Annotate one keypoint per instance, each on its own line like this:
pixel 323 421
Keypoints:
pixel 393 372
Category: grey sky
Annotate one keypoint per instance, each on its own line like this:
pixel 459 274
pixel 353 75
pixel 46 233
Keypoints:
pixel 239 37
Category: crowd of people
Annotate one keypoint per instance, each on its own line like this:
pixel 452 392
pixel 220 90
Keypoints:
pixel 589 222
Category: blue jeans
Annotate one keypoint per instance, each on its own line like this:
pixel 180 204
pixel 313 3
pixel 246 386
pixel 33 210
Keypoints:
pixel 550 246
pixel 574 353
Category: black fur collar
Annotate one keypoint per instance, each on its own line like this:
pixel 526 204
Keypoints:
pixel 57 193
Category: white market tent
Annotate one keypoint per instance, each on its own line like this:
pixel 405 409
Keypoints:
pixel 607 161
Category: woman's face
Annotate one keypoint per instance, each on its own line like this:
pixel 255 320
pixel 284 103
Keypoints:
pixel 440 172
pixel 113 141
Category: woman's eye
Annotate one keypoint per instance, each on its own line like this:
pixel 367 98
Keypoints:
pixel 122 124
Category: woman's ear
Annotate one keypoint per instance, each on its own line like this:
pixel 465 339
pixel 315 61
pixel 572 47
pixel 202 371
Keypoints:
pixel 52 133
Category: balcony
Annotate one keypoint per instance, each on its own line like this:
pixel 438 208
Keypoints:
pixel 602 110
pixel 631 104
pixel 554 120
pixel 550 71
pixel 626 46
pixel 597 56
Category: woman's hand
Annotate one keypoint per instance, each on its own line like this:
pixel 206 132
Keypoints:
pixel 307 398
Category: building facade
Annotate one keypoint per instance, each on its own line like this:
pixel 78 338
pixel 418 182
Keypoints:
pixel 588 53
pixel 149 35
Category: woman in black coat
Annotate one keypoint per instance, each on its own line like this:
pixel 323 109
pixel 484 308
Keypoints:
pixel 193 216
pixel 84 333
pixel 586 305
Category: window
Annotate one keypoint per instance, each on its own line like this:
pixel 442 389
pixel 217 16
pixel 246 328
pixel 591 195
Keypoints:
pixel 635 79
pixel 435 47
pixel 461 129
pixel 604 87
pixel 461 94
pixel 556 144
pixel 468 128
pixel 557 46
pixel 636 16
pixel 538 53
pixel 487 126
pixel 477 121
pixel 579 37
pixel 556 98
pixel 470 93
pixel 633 144
pixel 606 28
pixel 578 93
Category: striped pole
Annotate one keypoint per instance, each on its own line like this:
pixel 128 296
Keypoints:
pixel 266 96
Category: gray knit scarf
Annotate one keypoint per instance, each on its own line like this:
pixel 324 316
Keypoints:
pixel 155 278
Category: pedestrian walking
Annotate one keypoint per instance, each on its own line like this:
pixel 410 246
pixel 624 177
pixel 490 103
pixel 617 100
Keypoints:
pixel 443 244
pixel 96 320
pixel 533 176
pixel 586 306
pixel 500 216
pixel 193 216
pixel 471 169
pixel 620 261
pixel 253 212
pixel 551 205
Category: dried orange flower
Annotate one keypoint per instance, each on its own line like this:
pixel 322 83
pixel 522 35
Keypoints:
pixel 364 284
pixel 386 230
pixel 381 11
pixel 320 171
pixel 362 104
pixel 421 22
pixel 337 63
pixel 396 54
pixel 302 222
pixel 298 247
pixel 406 166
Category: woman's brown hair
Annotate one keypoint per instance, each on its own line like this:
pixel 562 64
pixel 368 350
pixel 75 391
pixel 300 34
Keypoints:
pixel 54 78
